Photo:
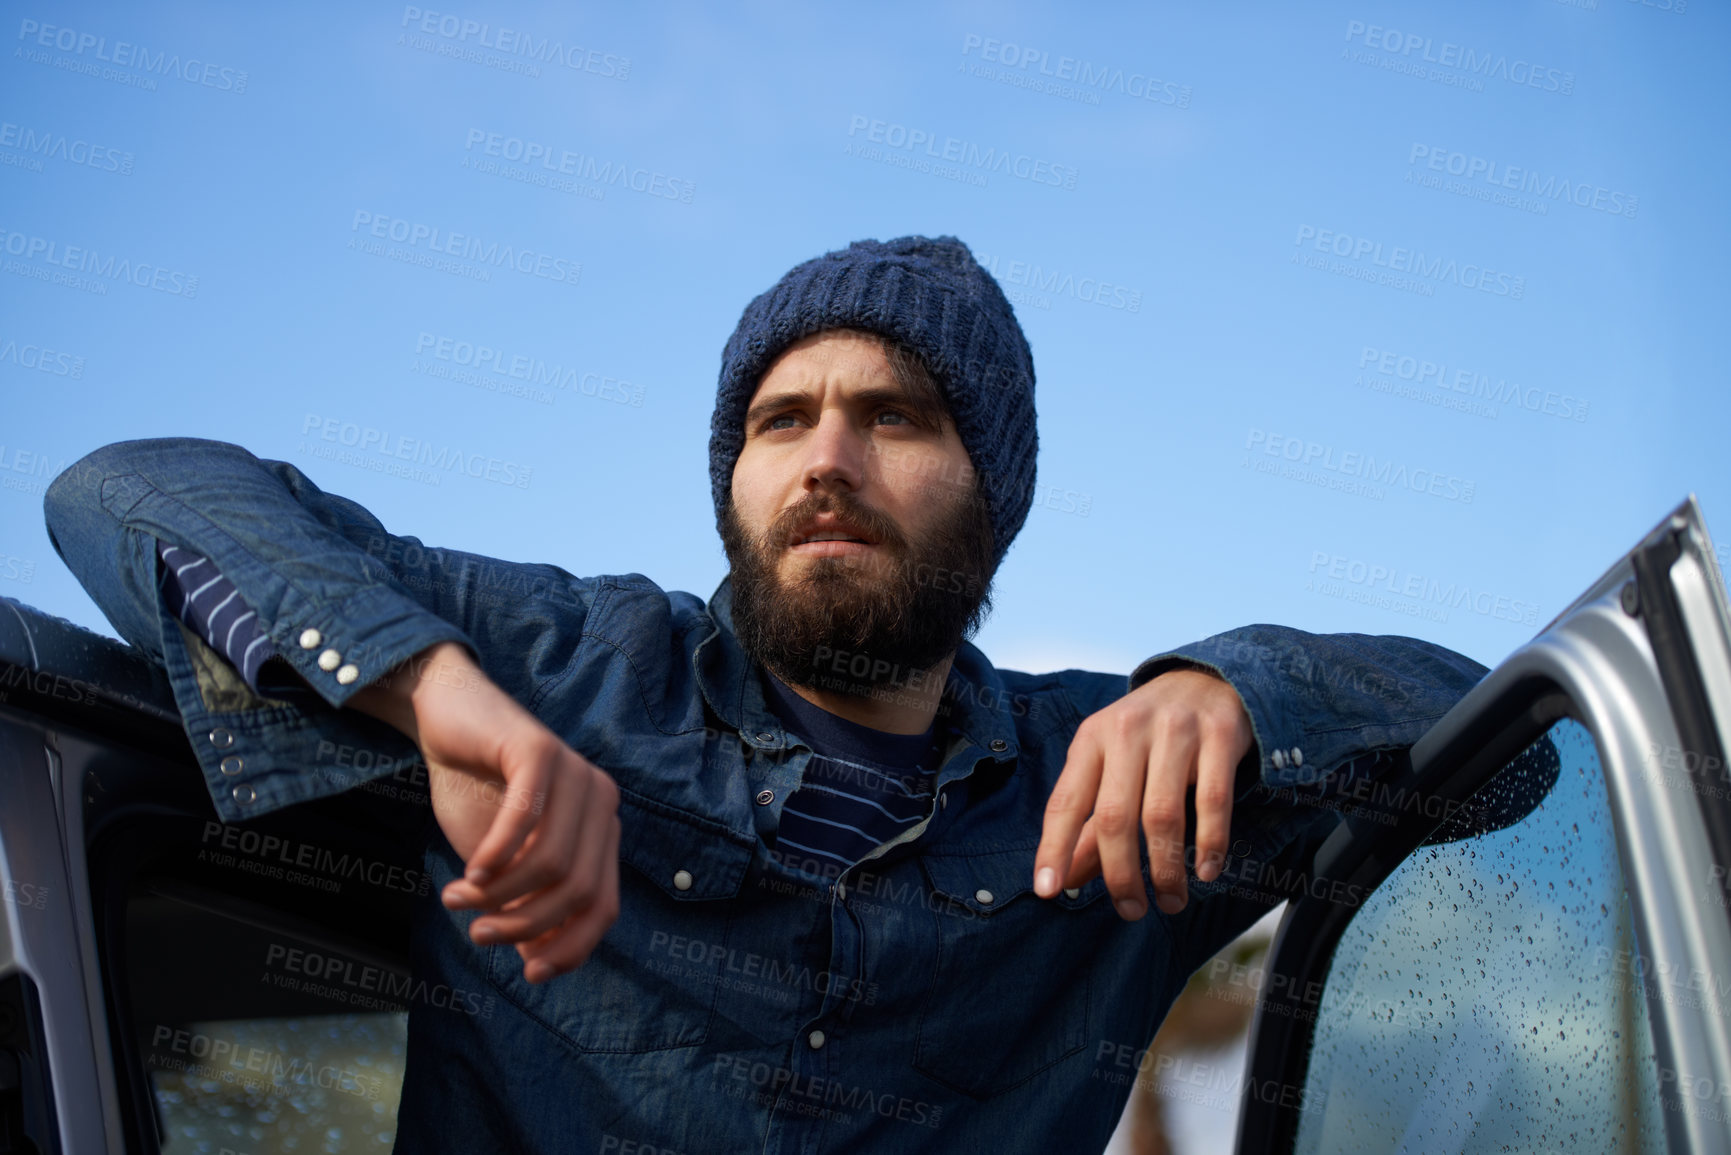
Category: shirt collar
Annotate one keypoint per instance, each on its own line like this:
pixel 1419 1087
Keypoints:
pixel 980 705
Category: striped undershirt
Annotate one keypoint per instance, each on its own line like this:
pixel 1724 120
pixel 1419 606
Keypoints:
pixel 210 605
pixel 861 788
pixel 213 609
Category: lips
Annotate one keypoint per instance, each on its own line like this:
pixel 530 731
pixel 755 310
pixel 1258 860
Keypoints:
pixel 829 529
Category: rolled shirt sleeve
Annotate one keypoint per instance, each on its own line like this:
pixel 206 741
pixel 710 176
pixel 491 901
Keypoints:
pixel 1317 702
pixel 338 599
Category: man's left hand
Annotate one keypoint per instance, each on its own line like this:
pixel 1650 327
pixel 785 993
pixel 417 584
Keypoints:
pixel 1125 777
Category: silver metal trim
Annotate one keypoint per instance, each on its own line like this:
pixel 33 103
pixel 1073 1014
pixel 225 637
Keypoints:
pixel 46 944
pixel 1601 658
pixel 84 916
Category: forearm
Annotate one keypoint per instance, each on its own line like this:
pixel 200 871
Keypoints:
pixel 396 695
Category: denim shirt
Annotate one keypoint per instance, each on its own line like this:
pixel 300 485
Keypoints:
pixel 924 1000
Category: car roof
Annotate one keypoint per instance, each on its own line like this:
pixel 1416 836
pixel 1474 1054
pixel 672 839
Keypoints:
pixel 43 651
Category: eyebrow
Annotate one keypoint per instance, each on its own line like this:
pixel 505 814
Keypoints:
pixel 871 395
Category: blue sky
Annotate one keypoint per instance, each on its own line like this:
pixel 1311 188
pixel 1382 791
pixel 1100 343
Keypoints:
pixel 1410 328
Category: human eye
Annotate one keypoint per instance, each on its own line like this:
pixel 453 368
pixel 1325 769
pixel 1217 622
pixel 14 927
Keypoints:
pixel 777 421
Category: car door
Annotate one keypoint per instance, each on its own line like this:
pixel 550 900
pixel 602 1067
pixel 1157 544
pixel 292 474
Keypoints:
pixel 1523 943
pixel 170 983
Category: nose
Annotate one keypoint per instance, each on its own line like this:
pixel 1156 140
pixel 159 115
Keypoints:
pixel 835 454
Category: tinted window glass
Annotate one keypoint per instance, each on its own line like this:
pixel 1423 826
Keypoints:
pixel 1486 999
pixel 274 1086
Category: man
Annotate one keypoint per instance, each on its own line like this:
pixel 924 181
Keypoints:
pixel 797 869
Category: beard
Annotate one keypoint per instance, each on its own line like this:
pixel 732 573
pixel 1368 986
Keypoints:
pixel 857 625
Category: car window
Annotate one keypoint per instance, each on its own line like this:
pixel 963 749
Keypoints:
pixel 325 1083
pixel 1487 997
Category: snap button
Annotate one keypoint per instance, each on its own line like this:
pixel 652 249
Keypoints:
pixel 999 745
pixel 230 765
pixel 1297 756
pixel 841 890
pixel 310 639
pixel 682 880
pixel 816 1040
pixel 766 736
pixel 330 660
pixel 348 673
pixel 221 738
pixel 765 797
pixel 1279 759
pixel 1073 892
pixel 983 897
pixel 1241 848
pixel 943 801
pixel 243 794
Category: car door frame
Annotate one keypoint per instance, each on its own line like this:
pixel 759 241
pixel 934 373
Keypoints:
pixel 1642 661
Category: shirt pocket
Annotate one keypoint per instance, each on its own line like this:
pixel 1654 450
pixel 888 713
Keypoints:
pixel 1010 994
pixel 651 983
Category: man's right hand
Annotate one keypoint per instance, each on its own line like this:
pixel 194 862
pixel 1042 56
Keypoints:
pixel 536 823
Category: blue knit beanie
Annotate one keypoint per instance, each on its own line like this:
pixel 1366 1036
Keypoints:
pixel 931 295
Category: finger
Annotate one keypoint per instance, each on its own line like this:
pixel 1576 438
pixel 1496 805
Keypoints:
pixel 532 915
pixel 547 859
pixel 570 945
pixel 1085 863
pixel 522 851
pixel 1066 811
pixel 575 887
pixel 1216 770
pixel 1115 824
pixel 1171 764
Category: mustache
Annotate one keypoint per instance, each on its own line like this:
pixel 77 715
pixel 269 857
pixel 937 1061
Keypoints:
pixel 849 509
